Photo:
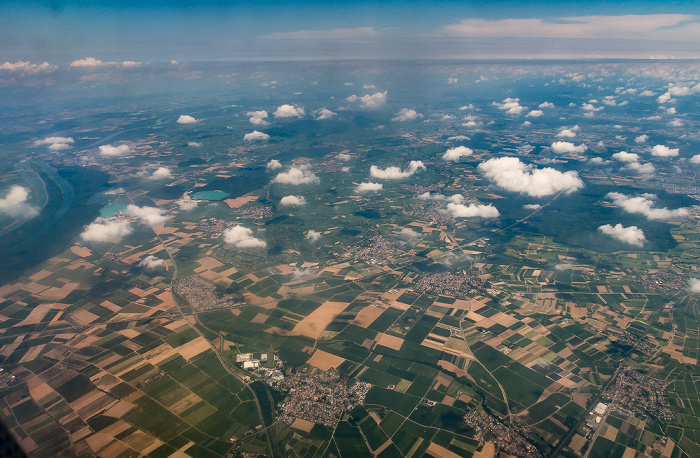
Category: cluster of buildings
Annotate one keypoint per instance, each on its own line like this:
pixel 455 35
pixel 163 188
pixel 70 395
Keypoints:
pixel 379 250
pixel 511 440
pixel 257 212
pixel 431 213
pixel 665 279
pixel 449 284
pixel 320 398
pixel 214 227
pixel 202 295
pixel 640 394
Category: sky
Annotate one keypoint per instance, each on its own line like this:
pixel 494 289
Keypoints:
pixel 61 32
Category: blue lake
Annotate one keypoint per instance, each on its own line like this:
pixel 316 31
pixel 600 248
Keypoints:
pixel 110 210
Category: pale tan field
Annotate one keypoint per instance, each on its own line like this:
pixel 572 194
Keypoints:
pixel 367 316
pixel 240 201
pixel 439 451
pixel 193 348
pixel 303 425
pixel 314 324
pixel 389 341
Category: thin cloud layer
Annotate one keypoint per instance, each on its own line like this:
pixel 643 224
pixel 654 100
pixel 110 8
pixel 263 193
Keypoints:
pixel 644 205
pixel 255 136
pixel 367 101
pixel 288 111
pixel 395 173
pixel 103 230
pixel 296 175
pixel 453 154
pixel 632 234
pixel 511 174
pixel 115 151
pixel 15 203
pixel 242 237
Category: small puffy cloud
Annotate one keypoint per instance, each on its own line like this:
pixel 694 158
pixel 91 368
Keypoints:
pixel 194 144
pixel 532 206
pixel 453 154
pixel 132 64
pixel 296 175
pixel 288 111
pixel 546 105
pixel 568 147
pixel 162 173
pixel 466 107
pixel 644 205
pixel 664 151
pixel 568 133
pixel 676 123
pixel 510 106
pixel 257 117
pixel 27 68
pixel 103 230
pixel 527 123
pixel 641 139
pixel 535 114
pixel 368 101
pixel 293 201
pixel 647 93
pixel 678 91
pixel 408 233
pixel 458 210
pixel 597 161
pixel 242 237
pixel 87 62
pixel 151 262
pixel 369 187
pixel 15 203
pixel 395 173
pixel 114 151
pixel 323 113
pixel 511 174
pixel 55 143
pixel 452 80
pixel 428 196
pixel 186 119
pixel 187 205
pixel 458 138
pixel 590 107
pixel 343 157
pixel 150 216
pixel 313 235
pixel 644 169
pixel 369 86
pixel 255 136
pixel 695 159
pixel 274 164
pixel 624 156
pixel 694 285
pixel 345 169
pixel 632 234
pixel 406 114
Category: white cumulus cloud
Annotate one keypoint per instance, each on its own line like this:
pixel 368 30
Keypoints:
pixel 532 206
pixel 664 151
pixel 296 175
pixel 695 159
pixel 343 157
pixel 242 237
pixel 568 133
pixel 368 101
pixel 103 230
pixel 458 210
pixel 151 262
pixel 644 205
pixel 406 114
pixel 288 111
pixel 632 234
pixel 257 117
pixel 162 173
pixel 15 203
pixel 510 106
pixel 313 235
pixel 274 164
pixel 255 136
pixel 87 62
pixel 535 114
pixel 511 174
pixel 323 114
pixel 546 105
pixel 293 201
pixel 115 151
pixel 186 119
pixel 150 216
pixel 453 154
pixel 694 285
pixel 27 68
pixel 369 187
pixel 568 147
pixel 194 144
pixel 641 139
pixel 395 173
pixel 624 156
pixel 55 143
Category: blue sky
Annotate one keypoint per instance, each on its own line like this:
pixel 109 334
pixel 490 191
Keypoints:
pixel 61 32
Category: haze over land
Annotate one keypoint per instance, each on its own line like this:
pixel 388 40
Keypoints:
pixel 288 229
